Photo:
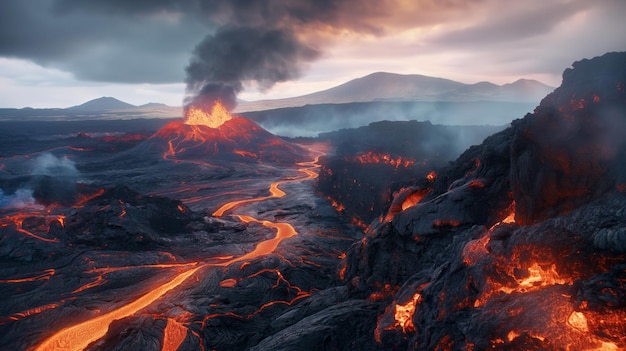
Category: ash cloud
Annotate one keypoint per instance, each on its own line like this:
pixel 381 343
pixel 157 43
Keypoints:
pixel 150 41
pixel 222 62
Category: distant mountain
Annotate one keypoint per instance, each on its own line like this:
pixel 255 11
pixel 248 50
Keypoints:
pixel 152 104
pixel 522 90
pixel 104 103
pixel 98 109
pixel 382 86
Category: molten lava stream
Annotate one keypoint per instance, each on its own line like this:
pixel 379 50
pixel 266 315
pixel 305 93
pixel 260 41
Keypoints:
pixel 79 336
pixel 275 192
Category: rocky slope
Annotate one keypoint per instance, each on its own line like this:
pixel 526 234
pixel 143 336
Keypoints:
pixel 456 272
pixel 371 163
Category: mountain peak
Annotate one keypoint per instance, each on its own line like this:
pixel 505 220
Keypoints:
pixel 385 86
pixel 102 104
pixel 524 82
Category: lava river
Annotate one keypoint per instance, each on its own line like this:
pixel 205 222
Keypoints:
pixel 80 335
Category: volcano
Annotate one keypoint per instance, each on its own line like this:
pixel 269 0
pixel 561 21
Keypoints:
pixel 219 135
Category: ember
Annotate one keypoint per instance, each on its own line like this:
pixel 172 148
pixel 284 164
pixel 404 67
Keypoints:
pixel 373 157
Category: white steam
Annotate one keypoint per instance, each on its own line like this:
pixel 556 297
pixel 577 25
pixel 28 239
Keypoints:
pixel 22 198
pixel 43 165
pixel 50 165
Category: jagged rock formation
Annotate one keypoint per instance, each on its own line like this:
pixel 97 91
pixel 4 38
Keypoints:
pixel 452 273
pixel 371 163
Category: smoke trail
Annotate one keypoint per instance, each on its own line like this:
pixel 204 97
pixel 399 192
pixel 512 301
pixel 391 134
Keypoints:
pixel 222 62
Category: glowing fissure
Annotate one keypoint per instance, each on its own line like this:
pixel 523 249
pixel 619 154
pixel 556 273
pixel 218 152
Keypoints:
pixel 381 158
pixel 48 273
pixel 97 282
pixel 31 311
pixel 18 222
pixel 79 336
pixel 403 314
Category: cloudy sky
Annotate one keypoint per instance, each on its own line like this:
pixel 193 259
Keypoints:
pixel 59 53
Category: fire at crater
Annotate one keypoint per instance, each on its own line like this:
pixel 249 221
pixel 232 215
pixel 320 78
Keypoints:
pixel 217 116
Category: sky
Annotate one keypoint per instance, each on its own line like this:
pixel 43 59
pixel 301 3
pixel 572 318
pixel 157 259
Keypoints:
pixel 60 53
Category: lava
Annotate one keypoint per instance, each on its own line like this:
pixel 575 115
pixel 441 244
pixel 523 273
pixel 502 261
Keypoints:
pixel 578 321
pixel 18 222
pixel 173 335
pixel 275 192
pixel 399 316
pixel 30 312
pixel 48 273
pixel 77 337
pixel 431 176
pixel 80 335
pixel 413 199
pixel 97 282
pixel 218 115
pixel 403 314
pixel 384 158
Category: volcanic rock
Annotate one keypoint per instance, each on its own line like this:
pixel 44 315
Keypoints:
pixel 373 162
pixel 466 277
pixel 120 218
pixel 572 148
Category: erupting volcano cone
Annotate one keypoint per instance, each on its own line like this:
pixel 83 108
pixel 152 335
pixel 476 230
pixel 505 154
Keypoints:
pixel 215 132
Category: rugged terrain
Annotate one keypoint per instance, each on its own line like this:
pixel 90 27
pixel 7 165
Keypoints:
pixel 520 243
pixel 199 238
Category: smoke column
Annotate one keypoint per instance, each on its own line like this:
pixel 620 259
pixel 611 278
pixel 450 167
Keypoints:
pixel 223 61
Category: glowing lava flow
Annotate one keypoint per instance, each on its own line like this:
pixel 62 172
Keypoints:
pixel 173 335
pixel 18 221
pixel 44 276
pixel 275 192
pixel 79 336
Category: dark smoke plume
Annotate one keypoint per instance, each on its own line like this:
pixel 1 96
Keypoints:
pixel 222 62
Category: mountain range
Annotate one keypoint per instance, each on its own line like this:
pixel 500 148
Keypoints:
pixel 374 88
pixel 382 86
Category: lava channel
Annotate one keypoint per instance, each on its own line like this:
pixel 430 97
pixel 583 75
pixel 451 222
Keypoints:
pixel 77 337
